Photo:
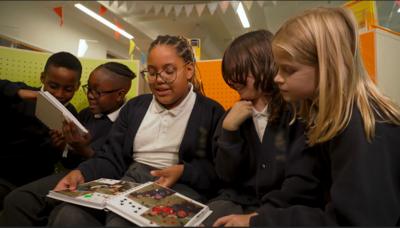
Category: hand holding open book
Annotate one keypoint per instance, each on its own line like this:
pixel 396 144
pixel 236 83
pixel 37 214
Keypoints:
pixel 146 204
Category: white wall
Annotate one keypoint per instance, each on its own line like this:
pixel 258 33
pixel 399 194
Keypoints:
pixel 35 23
pixel 388 61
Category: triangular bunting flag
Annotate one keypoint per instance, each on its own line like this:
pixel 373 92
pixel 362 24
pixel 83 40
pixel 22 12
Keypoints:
pixel 248 4
pixel 261 3
pixel 131 6
pixel 123 7
pixel 212 7
pixel 148 8
pixel 131 47
pixel 157 8
pixel 59 12
pixel 188 9
pixel 223 5
pixel 200 8
pixel 117 35
pixel 235 5
pixel 178 9
pixel 167 9
pixel 102 10
pixel 398 3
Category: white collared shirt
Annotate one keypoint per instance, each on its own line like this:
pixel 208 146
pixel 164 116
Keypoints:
pixel 260 120
pixel 160 134
pixel 111 116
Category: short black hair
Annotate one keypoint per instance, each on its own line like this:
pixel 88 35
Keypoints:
pixel 64 59
pixel 118 68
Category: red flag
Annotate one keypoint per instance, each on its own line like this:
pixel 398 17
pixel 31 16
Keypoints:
pixel 59 12
pixel 398 3
pixel 102 10
pixel 117 34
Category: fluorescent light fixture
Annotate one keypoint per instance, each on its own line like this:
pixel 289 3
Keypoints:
pixel 242 16
pixel 103 20
pixel 82 48
pixel 398 10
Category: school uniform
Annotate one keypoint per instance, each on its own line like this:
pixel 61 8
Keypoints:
pixel 28 204
pixel 27 153
pixel 361 180
pixel 116 158
pixel 250 164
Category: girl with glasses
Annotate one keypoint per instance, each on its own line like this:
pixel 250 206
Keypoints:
pixel 164 136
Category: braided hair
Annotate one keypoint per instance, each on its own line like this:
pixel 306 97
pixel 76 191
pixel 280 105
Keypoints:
pixel 184 50
pixel 119 69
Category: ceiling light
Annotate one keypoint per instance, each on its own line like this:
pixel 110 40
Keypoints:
pixel 398 10
pixel 103 20
pixel 242 16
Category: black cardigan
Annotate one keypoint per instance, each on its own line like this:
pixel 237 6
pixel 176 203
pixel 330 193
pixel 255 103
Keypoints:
pixel 247 167
pixel 26 153
pixel 362 180
pixel 195 151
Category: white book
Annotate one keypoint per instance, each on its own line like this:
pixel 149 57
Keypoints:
pixel 93 194
pixel 147 204
pixel 52 113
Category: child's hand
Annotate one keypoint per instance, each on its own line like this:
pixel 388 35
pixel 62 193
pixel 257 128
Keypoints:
pixel 168 176
pixel 27 94
pixel 57 140
pixel 239 112
pixel 70 181
pixel 80 143
pixel 235 220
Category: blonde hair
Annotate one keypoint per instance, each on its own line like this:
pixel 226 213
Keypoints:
pixel 327 38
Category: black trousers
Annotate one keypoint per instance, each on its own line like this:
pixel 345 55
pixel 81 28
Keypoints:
pixel 28 204
pixel 73 215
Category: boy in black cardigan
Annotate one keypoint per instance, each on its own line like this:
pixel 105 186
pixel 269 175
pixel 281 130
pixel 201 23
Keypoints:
pixel 106 89
pixel 28 151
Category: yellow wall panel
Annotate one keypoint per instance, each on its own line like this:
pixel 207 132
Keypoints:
pixel 26 66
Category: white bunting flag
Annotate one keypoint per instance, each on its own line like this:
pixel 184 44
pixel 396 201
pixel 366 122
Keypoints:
pixel 223 5
pixel 212 7
pixel 200 8
pixel 188 9
pixel 178 9
pixel 157 8
pixel 167 9
pixel 248 4
pixel 235 5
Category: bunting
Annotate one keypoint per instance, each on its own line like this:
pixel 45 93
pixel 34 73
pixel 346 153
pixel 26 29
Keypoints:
pixel 212 7
pixel 199 7
pixel 117 35
pixel 178 9
pixel 188 9
pixel 59 12
pixel 102 10
pixel 223 5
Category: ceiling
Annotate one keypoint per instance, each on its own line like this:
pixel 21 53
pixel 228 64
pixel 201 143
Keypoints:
pixel 215 30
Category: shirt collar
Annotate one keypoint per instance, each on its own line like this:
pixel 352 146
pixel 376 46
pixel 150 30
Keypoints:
pixel 158 108
pixel 111 116
pixel 263 112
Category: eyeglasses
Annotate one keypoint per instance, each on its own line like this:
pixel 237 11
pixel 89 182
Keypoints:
pixel 168 74
pixel 96 93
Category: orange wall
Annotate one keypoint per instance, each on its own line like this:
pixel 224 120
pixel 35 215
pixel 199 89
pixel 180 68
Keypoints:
pixel 214 85
pixel 368 53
